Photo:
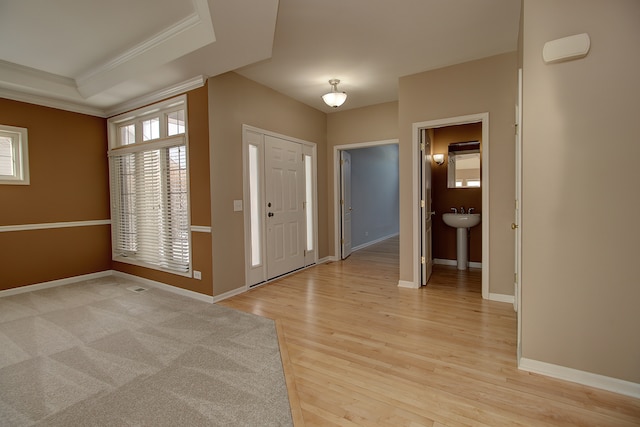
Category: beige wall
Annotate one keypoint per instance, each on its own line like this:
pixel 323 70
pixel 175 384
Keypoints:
pixel 68 182
pixel 580 286
pixel 485 85
pixel 234 101
pixel 367 124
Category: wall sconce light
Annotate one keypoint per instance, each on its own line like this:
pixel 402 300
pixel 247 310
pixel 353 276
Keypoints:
pixel 438 158
pixel 334 98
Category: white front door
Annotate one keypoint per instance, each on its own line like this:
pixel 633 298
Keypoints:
pixel 284 198
pixel 345 202
pixel 425 207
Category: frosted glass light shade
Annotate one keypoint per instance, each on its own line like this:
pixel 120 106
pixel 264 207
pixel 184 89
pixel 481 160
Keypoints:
pixel 334 99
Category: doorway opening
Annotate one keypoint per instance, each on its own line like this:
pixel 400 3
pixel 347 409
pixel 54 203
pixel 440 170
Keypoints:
pixel 366 201
pixel 421 242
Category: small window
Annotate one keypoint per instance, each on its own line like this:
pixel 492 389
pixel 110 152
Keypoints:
pixel 14 156
pixel 128 134
pixel 175 123
pixel 151 129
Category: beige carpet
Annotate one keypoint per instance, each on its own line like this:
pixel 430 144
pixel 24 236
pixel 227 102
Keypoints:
pixel 97 353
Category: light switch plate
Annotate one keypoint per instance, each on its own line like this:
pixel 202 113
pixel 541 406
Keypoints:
pixel 237 205
pixel 197 275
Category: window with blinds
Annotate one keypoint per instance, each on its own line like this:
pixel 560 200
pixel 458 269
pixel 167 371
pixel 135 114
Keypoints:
pixel 149 187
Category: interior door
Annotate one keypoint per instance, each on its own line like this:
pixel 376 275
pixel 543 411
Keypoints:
pixel 425 207
pixel 284 191
pixel 345 202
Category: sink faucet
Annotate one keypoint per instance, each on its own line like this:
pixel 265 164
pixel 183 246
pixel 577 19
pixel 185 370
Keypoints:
pixel 470 211
pixel 454 210
pixel 462 209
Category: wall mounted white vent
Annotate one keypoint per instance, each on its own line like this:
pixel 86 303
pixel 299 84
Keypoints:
pixel 566 48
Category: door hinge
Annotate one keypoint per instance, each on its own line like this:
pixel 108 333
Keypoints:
pixel 304 205
pixel 342 201
pixel 342 241
pixel 422 203
pixel 516 126
pixel 515 277
pixel 341 162
pixel 423 260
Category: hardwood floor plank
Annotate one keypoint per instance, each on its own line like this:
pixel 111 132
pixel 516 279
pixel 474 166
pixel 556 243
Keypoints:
pixel 362 351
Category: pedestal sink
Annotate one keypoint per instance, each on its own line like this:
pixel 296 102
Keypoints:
pixel 462 222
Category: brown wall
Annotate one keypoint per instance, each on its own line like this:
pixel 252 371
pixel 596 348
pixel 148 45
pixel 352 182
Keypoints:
pixel 234 101
pixel 198 122
pixel 69 182
pixel 367 124
pixel 486 85
pixel 444 198
pixel 580 286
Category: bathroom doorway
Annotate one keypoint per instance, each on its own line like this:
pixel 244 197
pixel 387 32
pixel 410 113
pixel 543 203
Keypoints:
pixel 480 120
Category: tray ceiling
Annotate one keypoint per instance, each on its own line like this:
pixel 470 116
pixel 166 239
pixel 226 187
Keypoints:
pixel 102 54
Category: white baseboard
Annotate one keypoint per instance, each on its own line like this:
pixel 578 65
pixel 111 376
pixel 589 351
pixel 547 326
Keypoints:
pixel 165 287
pixel 454 263
pixel 54 283
pixel 501 298
pixel 615 385
pixel 229 294
pixel 373 242
pixel 407 284
pixel 327 259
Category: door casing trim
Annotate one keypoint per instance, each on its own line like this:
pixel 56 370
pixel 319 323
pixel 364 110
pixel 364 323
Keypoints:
pixel 336 185
pixel 245 195
pixel 415 207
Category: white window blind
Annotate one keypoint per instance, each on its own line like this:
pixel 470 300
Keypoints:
pixel 149 194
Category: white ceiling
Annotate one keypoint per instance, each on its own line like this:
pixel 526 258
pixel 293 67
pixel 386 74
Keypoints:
pixel 100 54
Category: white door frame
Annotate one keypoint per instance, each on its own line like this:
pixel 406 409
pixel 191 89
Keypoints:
pixel 307 147
pixel 336 185
pixel 518 219
pixel 415 210
pixel 345 196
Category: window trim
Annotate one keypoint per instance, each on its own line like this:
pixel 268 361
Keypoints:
pixel 21 156
pixel 161 109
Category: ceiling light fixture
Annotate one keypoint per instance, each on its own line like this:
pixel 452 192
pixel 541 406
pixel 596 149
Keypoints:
pixel 334 98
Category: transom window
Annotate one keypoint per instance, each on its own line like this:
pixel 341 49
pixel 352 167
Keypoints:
pixel 148 166
pixel 14 156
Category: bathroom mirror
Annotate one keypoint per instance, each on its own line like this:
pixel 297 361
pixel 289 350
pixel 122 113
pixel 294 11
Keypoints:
pixel 463 170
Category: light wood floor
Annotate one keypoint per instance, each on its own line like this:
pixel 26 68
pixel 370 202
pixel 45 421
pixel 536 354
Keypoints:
pixel 358 350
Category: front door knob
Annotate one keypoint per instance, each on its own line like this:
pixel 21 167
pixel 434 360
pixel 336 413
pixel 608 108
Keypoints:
pixel 514 225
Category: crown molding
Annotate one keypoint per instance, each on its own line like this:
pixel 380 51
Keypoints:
pixel 169 92
pixel 151 43
pixel 45 101
pixel 183 37
pixel 178 89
